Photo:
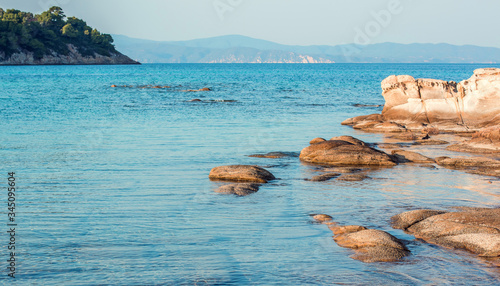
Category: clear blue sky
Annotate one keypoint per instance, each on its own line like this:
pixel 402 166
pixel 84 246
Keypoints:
pixel 304 22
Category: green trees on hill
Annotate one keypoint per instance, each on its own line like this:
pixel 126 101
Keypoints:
pixel 50 32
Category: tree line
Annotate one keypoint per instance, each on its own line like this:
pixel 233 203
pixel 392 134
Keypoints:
pixel 48 32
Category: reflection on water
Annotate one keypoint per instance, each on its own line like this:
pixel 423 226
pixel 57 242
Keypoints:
pixel 115 195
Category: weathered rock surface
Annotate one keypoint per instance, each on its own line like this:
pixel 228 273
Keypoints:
pixel 475 230
pixel 241 173
pixel 242 189
pixel 73 58
pixel 339 153
pixel 449 106
pixel 485 141
pixel 403 156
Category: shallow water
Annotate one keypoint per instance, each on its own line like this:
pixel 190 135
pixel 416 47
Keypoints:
pixel 113 183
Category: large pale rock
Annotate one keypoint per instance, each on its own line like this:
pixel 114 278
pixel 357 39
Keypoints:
pixel 241 173
pixel 472 102
pixel 338 152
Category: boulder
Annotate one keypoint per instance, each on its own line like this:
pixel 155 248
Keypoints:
pixel 241 173
pixel 474 165
pixel 337 152
pixel 342 229
pixel 475 230
pixel 242 189
pixel 486 141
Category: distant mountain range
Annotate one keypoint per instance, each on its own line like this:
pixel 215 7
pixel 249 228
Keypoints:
pixel 241 49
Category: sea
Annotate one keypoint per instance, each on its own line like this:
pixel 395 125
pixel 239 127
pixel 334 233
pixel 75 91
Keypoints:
pixel 112 187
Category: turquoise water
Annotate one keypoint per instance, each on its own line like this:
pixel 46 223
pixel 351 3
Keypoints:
pixel 113 183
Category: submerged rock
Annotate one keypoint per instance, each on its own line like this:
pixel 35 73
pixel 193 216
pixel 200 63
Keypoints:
pixel 324 177
pixel 241 173
pixel 352 177
pixel 274 155
pixel 338 152
pixel 475 230
pixel 322 218
pixel 241 189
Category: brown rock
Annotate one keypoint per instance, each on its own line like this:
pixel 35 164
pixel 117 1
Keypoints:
pixel 352 177
pixel 340 153
pixel 403 156
pixel 430 142
pixel 343 170
pixel 476 230
pixel 317 140
pixel 241 189
pixel 339 229
pixel 350 139
pixel 373 245
pixel 241 173
pixel 113 85
pixel 407 219
pixel 322 218
pixel 324 177
pixel 364 118
pixel 272 155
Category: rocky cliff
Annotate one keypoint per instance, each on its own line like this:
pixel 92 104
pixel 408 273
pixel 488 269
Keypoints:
pixel 474 102
pixel 415 104
pixel 72 58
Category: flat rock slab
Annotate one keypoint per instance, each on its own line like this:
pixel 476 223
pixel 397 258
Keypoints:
pixel 475 230
pixel 242 189
pixel 241 173
pixel 403 156
pixel 475 165
pixel 343 153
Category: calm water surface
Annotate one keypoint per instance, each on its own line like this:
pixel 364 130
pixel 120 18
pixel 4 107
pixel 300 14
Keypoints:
pixel 113 183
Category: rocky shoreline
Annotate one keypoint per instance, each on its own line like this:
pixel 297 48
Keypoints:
pixel 476 230
pixel 72 58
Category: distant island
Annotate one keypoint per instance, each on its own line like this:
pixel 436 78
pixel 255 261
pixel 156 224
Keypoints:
pixel 52 39
pixel 242 49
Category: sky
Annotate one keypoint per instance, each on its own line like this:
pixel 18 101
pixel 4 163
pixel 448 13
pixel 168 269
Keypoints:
pixel 294 22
